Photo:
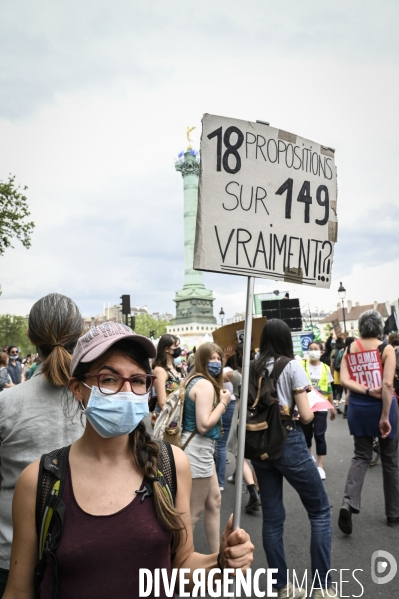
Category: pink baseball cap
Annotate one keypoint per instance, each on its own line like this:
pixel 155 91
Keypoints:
pixel 99 339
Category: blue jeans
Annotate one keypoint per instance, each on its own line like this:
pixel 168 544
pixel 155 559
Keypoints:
pixel 220 451
pixel 300 471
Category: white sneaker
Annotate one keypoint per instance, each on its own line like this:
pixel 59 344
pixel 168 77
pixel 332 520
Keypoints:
pixel 324 593
pixel 321 472
pixel 288 592
pixel 221 488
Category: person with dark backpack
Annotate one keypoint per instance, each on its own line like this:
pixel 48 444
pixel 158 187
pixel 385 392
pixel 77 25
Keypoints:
pixel 122 500
pixel 282 384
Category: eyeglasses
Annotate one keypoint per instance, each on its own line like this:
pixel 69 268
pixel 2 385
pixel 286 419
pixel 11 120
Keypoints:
pixel 13 353
pixel 110 383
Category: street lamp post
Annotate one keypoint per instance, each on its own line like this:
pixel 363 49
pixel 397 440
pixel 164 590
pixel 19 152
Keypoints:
pixel 342 294
pixel 221 314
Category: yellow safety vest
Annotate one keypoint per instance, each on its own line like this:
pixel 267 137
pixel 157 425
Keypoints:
pixel 323 383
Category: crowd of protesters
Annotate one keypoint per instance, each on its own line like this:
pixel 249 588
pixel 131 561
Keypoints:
pixel 91 393
pixel 15 369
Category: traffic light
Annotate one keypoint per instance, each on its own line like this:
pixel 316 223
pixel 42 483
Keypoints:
pixel 152 334
pixel 132 322
pixel 125 304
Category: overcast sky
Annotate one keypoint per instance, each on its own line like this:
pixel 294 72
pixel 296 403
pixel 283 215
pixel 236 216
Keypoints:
pixel 95 97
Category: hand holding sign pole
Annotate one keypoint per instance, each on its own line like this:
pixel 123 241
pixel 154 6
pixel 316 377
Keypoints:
pixel 267 207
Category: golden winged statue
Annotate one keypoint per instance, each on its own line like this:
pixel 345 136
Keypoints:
pixel 188 131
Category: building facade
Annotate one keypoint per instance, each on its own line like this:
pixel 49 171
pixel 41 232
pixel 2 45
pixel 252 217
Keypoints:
pixel 352 312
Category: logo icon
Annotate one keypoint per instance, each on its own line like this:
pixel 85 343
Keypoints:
pixel 380 560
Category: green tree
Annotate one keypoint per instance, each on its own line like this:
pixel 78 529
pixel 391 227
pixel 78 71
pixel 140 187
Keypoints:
pixel 146 323
pixel 13 214
pixel 13 331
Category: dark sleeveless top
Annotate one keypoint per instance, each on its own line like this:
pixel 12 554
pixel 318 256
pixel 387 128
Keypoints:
pixel 100 556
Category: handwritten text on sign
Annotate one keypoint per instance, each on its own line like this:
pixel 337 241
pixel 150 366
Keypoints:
pixel 365 367
pixel 267 203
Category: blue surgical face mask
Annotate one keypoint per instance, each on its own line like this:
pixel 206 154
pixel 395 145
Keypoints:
pixel 115 415
pixel 214 368
pixel 178 361
pixel 13 357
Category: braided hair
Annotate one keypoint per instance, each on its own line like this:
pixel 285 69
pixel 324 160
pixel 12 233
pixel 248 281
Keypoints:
pixel 145 452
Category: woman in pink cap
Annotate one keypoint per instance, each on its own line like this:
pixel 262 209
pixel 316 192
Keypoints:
pixel 118 517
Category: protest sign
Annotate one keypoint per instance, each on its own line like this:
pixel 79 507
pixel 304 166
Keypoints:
pixel 365 367
pixel 318 402
pixel 227 337
pixel 301 342
pixel 337 327
pixel 267 204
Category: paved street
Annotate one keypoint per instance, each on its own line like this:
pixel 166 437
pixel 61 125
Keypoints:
pixel 370 530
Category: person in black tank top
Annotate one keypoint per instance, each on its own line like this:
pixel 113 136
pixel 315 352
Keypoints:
pixel 118 518
pixel 168 378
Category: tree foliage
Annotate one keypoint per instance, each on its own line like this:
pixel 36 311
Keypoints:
pixel 146 323
pixel 13 332
pixel 13 214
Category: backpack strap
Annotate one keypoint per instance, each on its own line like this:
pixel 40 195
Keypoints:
pixel 167 471
pixel 279 366
pixel 50 510
pixel 192 382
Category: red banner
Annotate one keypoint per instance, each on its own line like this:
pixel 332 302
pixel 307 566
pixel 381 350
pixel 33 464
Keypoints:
pixel 365 367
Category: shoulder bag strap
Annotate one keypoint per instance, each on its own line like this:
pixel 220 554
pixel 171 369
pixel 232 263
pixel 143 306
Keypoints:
pixel 189 439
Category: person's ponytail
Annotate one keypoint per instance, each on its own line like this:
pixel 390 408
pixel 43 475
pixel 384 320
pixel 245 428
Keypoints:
pixel 55 325
pixel 56 367
pixel 145 456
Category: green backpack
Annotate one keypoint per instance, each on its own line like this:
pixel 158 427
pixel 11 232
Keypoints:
pixel 338 359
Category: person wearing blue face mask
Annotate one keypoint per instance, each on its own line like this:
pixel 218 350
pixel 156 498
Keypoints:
pixel 205 403
pixel 14 367
pixel 118 517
